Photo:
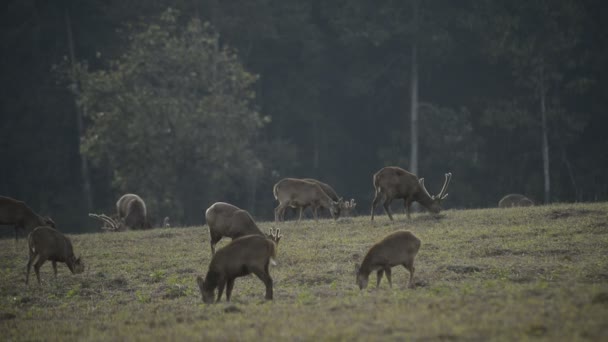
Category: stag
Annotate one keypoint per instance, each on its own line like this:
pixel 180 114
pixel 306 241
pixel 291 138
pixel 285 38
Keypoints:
pixel 47 243
pixel 392 182
pixel 131 213
pixel 241 257
pixel 298 193
pixel 19 214
pixel 398 248
pixel 515 200
pixel 227 220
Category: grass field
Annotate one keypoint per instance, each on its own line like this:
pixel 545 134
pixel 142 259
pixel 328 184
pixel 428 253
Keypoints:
pixel 512 274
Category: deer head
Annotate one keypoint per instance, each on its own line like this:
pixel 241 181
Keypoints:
pixel 435 205
pixel 274 235
pixel 110 224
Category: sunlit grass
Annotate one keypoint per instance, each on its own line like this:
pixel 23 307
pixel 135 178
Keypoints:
pixel 511 274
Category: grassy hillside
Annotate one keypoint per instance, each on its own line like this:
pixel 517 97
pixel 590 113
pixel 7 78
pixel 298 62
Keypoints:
pixel 512 274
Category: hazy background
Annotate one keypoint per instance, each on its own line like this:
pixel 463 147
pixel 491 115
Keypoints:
pixel 190 102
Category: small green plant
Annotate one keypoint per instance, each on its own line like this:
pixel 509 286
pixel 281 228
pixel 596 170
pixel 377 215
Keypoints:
pixel 143 297
pixel 157 276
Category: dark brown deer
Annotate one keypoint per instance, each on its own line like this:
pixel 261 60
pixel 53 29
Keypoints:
pixel 241 257
pixel 225 219
pixel 298 193
pixel 47 243
pixel 392 182
pixel 515 200
pixel 131 213
pixel 398 248
pixel 17 213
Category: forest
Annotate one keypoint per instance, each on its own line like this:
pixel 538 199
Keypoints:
pixel 191 102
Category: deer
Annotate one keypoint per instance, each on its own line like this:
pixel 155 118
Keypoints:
pixel 46 243
pixel 398 248
pixel 515 200
pixel 131 213
pixel 298 193
pixel 19 214
pixel 392 182
pixel 227 220
pixel 166 222
pixel 242 256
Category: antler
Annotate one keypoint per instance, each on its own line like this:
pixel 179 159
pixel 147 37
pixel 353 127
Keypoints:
pixel 275 235
pixel 104 218
pixel 448 178
pixel 421 181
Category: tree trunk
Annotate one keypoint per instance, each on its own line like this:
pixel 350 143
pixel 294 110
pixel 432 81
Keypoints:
pixel 414 98
pixel 545 140
pixel 80 111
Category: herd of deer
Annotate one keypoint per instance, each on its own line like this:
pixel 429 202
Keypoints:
pixel 251 250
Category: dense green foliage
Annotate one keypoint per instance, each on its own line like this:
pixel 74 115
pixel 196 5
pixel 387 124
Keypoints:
pixel 220 102
pixel 486 274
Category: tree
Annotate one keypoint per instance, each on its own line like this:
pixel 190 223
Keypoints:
pixel 536 38
pixel 174 118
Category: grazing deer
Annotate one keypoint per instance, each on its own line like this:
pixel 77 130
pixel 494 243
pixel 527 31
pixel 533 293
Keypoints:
pixel 47 243
pixel 515 200
pixel 392 182
pixel 241 257
pixel 17 213
pixel 131 213
pixel 398 248
pixel 227 220
pixel 298 193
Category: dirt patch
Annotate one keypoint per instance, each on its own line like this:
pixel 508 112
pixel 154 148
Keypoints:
pixel 232 309
pixel 570 212
pixel 117 283
pixel 490 252
pixel 600 298
pixel 185 271
pixel 537 330
pixel 5 316
pixel 164 235
pixel 463 269
pixel 316 280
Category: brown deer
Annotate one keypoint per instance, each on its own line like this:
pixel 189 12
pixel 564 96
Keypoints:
pixel 398 248
pixel 47 243
pixel 227 220
pixel 298 193
pixel 17 213
pixel 392 182
pixel 131 213
pixel 241 257
pixel 515 200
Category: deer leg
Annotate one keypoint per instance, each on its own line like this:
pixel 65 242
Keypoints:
pixel 379 274
pixel 220 289
pixel 388 276
pixel 29 266
pixel 229 287
pixel 377 199
pixel 37 266
pixel 387 208
pixel 315 213
pixel 213 241
pixel 276 213
pixel 408 204
pixel 267 280
pixel 410 267
pixel 300 217
pixel 55 268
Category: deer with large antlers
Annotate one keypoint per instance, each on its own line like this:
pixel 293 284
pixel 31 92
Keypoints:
pixel 131 214
pixel 227 220
pixel 392 182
